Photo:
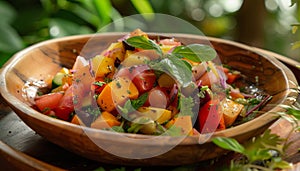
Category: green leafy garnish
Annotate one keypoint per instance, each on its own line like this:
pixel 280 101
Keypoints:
pixel 186 105
pixel 195 52
pixel 118 128
pixel 143 43
pixel 99 83
pixel 132 105
pixel 139 101
pixel 292 110
pixel 260 152
pixel 229 144
pixel 266 141
pixel 202 91
pixel 175 67
pixel 136 126
pixel 172 63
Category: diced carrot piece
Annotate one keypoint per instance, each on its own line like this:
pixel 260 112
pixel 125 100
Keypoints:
pixel 105 120
pixel 76 120
pixel 225 70
pixel 105 100
pixel 222 124
pixel 231 110
pixel 232 77
pixel 116 93
pixel 236 95
pixel 170 123
pixel 185 123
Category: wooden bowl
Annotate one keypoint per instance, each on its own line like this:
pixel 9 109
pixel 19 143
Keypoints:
pixel 46 58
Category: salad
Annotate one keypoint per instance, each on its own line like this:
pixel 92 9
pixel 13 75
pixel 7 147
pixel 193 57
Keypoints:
pixel 151 86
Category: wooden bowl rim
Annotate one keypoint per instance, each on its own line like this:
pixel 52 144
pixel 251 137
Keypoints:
pixel 77 129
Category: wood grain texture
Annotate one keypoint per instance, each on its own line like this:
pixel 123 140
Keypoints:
pixel 14 160
pixel 44 59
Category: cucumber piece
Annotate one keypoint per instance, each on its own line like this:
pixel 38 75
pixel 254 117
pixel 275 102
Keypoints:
pixel 57 80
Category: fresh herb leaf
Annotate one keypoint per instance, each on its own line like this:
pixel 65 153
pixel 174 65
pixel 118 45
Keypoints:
pixel 267 141
pixel 132 105
pixel 261 103
pixel 107 80
pixel 229 144
pixel 187 64
pixel 292 110
pixel 135 127
pixel 127 108
pixel 175 67
pixel 186 106
pixel 139 101
pixel 99 83
pixel 195 52
pixel 254 101
pixel 118 129
pixel 262 152
pixel 202 91
pixel 143 43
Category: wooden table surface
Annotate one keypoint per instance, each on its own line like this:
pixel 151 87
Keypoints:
pixel 22 149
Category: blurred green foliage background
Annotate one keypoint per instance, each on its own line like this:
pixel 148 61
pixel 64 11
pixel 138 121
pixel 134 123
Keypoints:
pixel 260 23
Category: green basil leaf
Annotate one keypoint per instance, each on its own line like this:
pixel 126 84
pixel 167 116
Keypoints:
pixel 229 144
pixel 187 64
pixel 143 43
pixel 137 103
pixel 195 52
pixel 175 67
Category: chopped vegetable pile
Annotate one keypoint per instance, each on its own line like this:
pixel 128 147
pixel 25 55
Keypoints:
pixel 150 86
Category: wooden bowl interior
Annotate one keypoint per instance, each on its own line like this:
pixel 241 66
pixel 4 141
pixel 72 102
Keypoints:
pixel 42 60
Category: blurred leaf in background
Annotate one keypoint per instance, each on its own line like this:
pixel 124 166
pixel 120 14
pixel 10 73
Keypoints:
pixel 10 41
pixel 24 23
